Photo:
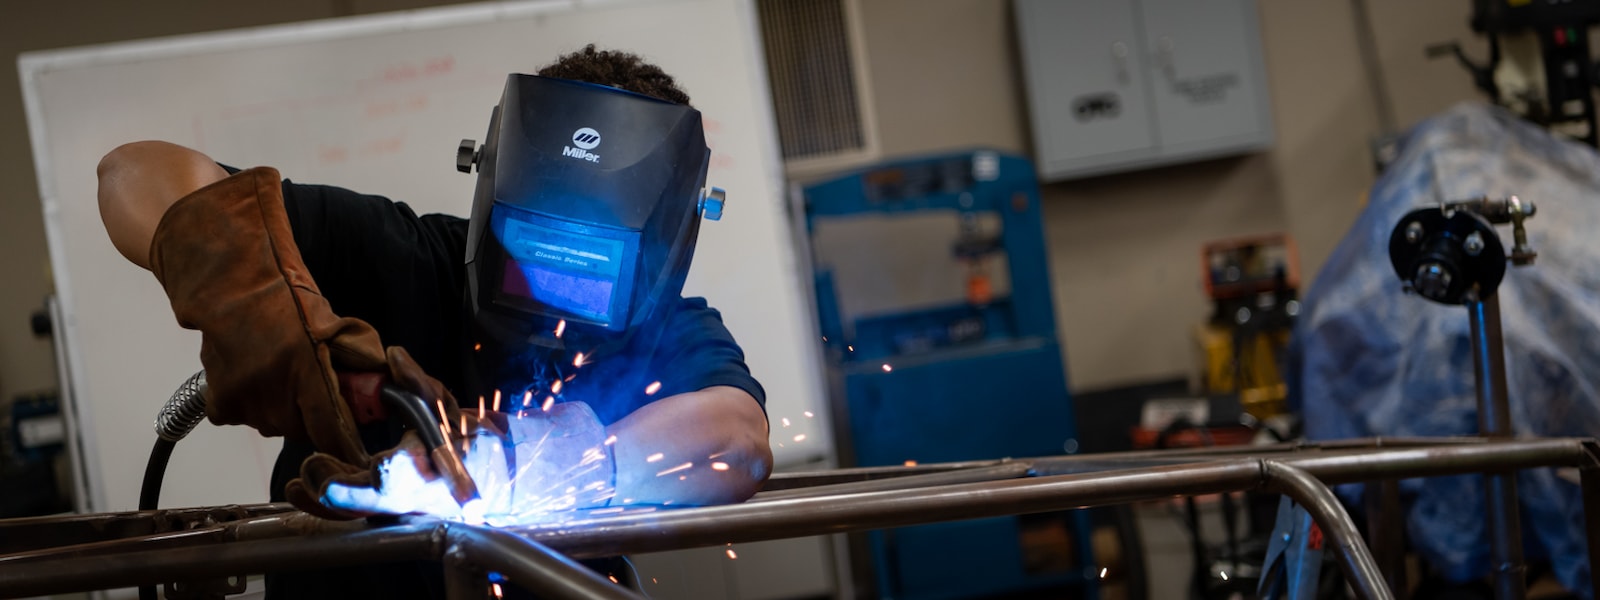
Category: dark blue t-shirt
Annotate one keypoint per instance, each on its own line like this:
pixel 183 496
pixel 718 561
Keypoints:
pixel 376 260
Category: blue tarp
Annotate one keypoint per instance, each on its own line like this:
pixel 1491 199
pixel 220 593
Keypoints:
pixel 1368 360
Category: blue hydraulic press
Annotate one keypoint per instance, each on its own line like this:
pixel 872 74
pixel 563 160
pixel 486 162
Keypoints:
pixel 970 369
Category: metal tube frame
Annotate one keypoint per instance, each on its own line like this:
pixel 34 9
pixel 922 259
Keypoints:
pixel 539 557
pixel 1494 422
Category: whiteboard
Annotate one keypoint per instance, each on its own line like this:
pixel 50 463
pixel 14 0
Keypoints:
pixel 378 104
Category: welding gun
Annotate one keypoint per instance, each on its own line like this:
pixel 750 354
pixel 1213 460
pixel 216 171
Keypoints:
pixel 371 397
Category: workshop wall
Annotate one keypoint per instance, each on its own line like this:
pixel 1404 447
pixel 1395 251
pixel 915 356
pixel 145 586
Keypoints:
pixel 1125 248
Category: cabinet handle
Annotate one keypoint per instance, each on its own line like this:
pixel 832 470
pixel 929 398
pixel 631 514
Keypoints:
pixel 1119 59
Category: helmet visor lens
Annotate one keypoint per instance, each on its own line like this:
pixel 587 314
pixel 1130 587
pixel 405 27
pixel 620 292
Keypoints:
pixel 564 270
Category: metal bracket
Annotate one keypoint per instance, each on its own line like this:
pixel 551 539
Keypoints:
pixel 204 589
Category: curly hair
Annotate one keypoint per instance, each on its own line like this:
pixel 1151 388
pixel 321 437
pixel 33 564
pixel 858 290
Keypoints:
pixel 618 69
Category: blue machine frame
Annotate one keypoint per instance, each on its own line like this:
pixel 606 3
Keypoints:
pixel 968 381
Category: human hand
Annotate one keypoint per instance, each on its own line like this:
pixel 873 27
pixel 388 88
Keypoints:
pixel 525 466
pixel 405 479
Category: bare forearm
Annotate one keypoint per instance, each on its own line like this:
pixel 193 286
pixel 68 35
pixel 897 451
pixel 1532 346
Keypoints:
pixel 138 182
pixel 700 448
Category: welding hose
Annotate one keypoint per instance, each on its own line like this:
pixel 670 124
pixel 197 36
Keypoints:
pixel 187 407
pixel 179 416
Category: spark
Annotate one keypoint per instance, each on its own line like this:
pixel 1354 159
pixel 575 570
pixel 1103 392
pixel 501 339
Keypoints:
pixel 578 360
pixel 1102 572
pixel 719 466
pixel 911 463
pixel 654 457
pixel 496 401
pixel 800 438
pixel 852 348
pixel 527 398
pixel 653 580
pixel 475 348
pixel 442 414
pixel 480 403
pixel 561 328
pixel 824 338
pixel 613 579
pixel 786 421
pixel 463 425
pixel 808 414
pixel 548 402
pixel 651 389
pixel 497 592
pixel 555 388
pixel 611 440
pixel 675 469
pixel 1224 575
pixel 682 477
pixel 569 377
pixel 731 554
pixel 714 456
pixel 887 368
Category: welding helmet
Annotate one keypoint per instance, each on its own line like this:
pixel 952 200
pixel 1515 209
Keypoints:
pixel 584 219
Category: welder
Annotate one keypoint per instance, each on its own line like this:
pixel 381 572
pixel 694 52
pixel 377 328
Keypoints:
pixel 549 328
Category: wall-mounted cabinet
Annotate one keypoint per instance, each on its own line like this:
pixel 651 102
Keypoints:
pixel 1116 85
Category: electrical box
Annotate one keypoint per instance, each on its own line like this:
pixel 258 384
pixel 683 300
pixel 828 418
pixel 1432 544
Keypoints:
pixel 1116 85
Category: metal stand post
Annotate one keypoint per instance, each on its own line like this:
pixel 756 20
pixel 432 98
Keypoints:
pixel 1494 421
pixel 1589 478
pixel 1386 524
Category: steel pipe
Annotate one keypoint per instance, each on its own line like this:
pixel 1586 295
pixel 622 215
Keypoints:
pixel 29 533
pixel 1111 460
pixel 873 510
pixel 103 566
pixel 529 565
pixel 1000 471
pixel 1360 570
pixel 130 569
pixel 1494 421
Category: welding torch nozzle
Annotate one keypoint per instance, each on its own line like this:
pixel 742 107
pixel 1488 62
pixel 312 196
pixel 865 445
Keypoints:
pixel 418 415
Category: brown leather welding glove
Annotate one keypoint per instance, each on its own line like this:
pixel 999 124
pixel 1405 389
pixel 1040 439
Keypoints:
pixel 405 479
pixel 309 492
pixel 270 344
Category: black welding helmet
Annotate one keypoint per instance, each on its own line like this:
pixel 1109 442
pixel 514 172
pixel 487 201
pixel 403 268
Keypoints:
pixel 586 211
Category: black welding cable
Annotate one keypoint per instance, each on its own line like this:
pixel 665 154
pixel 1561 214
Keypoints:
pixel 154 472
pixel 177 418
pixel 150 491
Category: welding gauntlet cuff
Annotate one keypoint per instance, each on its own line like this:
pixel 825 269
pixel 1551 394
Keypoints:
pixel 270 344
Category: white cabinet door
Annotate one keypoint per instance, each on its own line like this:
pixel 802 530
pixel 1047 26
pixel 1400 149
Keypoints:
pixel 1086 83
pixel 1207 79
